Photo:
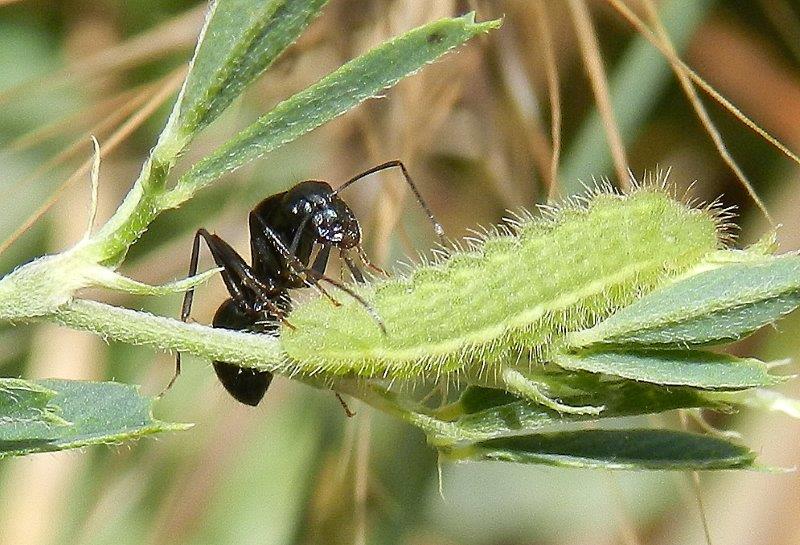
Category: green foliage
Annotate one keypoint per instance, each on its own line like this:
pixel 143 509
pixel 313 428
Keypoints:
pixel 74 414
pixel 485 413
pixel 23 403
pixel 336 93
pixel 674 368
pixel 241 39
pixel 612 449
pixel 720 305
pixel 581 316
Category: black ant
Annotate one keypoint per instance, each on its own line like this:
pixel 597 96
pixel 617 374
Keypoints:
pixel 285 230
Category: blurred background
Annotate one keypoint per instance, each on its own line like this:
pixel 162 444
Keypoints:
pixel 477 131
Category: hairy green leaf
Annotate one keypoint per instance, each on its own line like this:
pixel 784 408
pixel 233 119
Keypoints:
pixel 720 305
pixel 23 402
pixel 338 92
pixel 97 413
pixel 634 449
pixel 674 368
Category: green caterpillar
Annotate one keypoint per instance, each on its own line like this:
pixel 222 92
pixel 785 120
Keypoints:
pixel 507 302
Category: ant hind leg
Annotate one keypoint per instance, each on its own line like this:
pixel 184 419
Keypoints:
pixel 244 287
pixel 186 308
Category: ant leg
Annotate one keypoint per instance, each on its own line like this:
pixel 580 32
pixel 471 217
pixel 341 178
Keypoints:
pixel 362 255
pixel 437 227
pixel 354 270
pixel 347 411
pixel 238 278
pixel 242 283
pixel 297 235
pixel 296 266
pixel 369 308
pixel 328 296
pixel 186 307
pixel 321 261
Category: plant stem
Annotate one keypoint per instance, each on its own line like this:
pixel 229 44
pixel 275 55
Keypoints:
pixel 142 328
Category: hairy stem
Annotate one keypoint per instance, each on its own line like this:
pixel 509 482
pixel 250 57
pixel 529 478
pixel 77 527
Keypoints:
pixel 141 328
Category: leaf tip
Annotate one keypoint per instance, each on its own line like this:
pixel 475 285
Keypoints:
pixel 484 26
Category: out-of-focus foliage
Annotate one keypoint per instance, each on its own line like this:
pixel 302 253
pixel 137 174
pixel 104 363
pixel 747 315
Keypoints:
pixel 475 133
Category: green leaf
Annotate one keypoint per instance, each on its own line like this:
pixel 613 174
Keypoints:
pixel 717 306
pixel 99 413
pixel 489 413
pixel 241 39
pixel 23 402
pixel 674 368
pixel 338 92
pixel 611 449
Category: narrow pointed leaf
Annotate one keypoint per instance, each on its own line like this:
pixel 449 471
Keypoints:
pixel 362 78
pixel 97 413
pixel 634 449
pixel 674 368
pixel 241 39
pixel 717 306
pixel 489 413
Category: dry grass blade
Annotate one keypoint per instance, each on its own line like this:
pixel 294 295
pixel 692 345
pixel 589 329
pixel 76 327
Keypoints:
pixel 702 113
pixel 115 117
pixel 97 110
pixel 554 93
pixel 695 480
pixel 780 14
pixel 590 50
pixel 699 81
pixel 116 138
pixel 177 33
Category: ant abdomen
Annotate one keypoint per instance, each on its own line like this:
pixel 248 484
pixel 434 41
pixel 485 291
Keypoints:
pixel 245 384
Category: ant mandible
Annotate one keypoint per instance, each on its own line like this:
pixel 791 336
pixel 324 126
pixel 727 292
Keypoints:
pixel 285 230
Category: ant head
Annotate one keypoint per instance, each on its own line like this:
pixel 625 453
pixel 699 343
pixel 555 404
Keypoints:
pixel 324 213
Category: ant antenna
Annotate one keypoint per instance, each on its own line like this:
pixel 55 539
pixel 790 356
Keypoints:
pixel 437 227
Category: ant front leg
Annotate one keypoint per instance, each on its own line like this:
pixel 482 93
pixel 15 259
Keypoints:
pixel 321 261
pixel 358 276
pixel 311 277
